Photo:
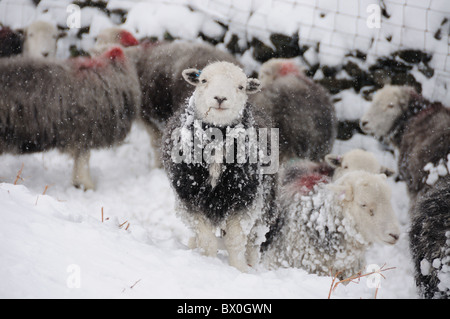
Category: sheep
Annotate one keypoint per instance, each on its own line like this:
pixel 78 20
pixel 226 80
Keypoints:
pixel 430 241
pixel 300 108
pixel 212 193
pixel 113 36
pixel 74 106
pixel 417 128
pixel 326 227
pixel 356 159
pixel 159 66
pixel 11 42
pixel 163 88
pixel 40 40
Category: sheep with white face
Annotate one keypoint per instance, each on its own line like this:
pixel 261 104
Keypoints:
pixel 388 104
pixel 40 40
pixel 221 93
pixel 114 36
pixel 229 195
pixel 329 229
pixel 354 160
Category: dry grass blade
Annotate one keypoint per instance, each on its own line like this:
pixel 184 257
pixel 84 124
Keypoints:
pixel 121 225
pixel 131 287
pixel 332 283
pixel 19 173
pixel 46 189
pixel 135 284
pixel 357 276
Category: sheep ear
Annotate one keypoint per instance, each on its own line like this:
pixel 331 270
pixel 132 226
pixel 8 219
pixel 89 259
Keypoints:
pixel 253 86
pixel 344 192
pixel 191 76
pixel 387 171
pixel 334 160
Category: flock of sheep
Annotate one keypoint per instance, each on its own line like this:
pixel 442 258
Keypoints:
pixel 319 212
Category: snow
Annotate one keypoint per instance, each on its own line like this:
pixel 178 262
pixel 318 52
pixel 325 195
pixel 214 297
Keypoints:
pixel 57 246
pixel 48 239
pixel 435 172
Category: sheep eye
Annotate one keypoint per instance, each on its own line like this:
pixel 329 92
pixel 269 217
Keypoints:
pixel 240 87
pixel 203 81
pixel 363 205
pixel 390 105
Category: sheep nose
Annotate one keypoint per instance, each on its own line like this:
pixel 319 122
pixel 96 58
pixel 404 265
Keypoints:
pixel 220 100
pixel 395 236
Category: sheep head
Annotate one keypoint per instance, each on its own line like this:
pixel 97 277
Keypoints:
pixel 366 199
pixel 40 40
pixel 277 68
pixel 356 160
pixel 116 36
pixel 388 105
pixel 221 92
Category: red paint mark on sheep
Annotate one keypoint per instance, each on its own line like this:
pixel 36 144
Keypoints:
pixel 112 55
pixel 115 54
pixel 306 183
pixel 88 63
pixel 127 39
pixel 288 68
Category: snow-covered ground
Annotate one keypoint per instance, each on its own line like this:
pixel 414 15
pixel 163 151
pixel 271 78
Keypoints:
pixel 56 245
pixel 60 245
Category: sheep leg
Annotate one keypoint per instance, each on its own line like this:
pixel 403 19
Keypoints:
pixel 205 238
pixel 156 138
pixel 235 242
pixel 253 247
pixel 81 177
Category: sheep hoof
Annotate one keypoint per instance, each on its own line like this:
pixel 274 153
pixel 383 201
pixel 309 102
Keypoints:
pixel 86 185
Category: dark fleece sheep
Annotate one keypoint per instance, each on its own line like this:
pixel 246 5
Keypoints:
pixel 430 241
pixel 231 195
pixel 418 128
pixel 300 108
pixel 74 106
pixel 11 43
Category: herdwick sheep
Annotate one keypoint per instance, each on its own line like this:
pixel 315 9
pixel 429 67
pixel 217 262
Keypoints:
pixel 40 40
pixel 419 129
pixel 113 36
pixel 163 88
pixel 231 195
pixel 326 227
pixel 300 108
pixel 11 42
pixel 159 67
pixel 355 160
pixel 74 106
pixel 430 240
